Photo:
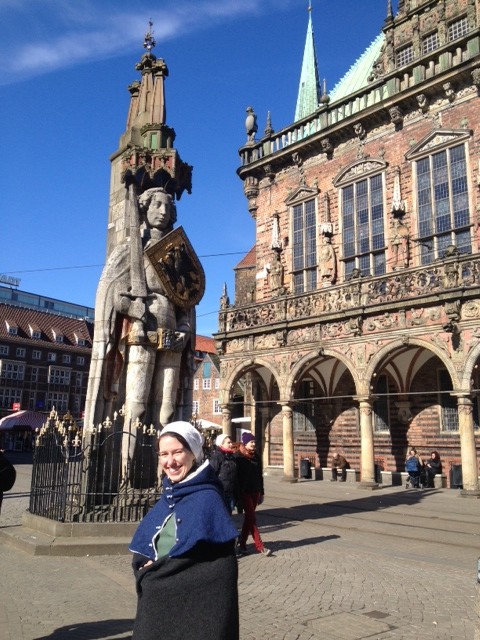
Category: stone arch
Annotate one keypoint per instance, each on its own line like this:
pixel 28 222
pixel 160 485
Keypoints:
pixel 376 360
pixel 248 365
pixel 310 357
pixel 470 361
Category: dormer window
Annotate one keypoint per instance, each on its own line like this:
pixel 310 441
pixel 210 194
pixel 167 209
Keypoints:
pixel 404 56
pixel 430 43
pixel 57 335
pixel 35 332
pixel 81 342
pixel 12 327
pixel 458 29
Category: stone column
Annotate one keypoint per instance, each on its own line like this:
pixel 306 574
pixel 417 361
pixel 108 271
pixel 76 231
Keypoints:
pixel 467 447
pixel 228 425
pixel 263 413
pixel 367 460
pixel 288 452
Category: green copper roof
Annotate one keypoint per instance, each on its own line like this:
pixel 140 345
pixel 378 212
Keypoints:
pixel 309 89
pixel 356 77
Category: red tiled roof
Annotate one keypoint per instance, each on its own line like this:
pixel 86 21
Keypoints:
pixel 250 260
pixel 202 343
pixel 43 321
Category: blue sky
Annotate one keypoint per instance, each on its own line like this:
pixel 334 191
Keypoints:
pixel 64 71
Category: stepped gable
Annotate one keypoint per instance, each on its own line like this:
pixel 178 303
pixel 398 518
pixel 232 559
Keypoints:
pixel 46 323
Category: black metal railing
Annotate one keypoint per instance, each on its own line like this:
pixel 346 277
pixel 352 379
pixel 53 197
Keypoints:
pixel 106 475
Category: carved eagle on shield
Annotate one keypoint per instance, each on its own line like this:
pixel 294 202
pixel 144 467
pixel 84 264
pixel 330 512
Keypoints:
pixel 178 268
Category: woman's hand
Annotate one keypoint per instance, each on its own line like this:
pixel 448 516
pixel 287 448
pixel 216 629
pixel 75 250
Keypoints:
pixel 147 564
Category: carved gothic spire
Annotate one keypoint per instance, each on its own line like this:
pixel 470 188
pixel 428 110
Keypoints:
pixel 148 102
pixel 309 89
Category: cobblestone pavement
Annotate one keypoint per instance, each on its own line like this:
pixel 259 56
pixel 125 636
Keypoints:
pixel 347 565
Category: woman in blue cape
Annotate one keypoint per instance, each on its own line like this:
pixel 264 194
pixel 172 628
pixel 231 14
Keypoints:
pixel 184 550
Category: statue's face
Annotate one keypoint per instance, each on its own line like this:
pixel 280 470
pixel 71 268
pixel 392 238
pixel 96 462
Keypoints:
pixel 159 211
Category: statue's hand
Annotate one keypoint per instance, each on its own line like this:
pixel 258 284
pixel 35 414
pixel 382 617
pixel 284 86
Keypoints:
pixel 179 341
pixel 136 310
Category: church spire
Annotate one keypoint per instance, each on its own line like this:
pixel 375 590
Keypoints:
pixel 309 89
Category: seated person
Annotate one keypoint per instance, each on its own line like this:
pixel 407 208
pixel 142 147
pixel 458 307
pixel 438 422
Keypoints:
pixel 433 466
pixel 339 463
pixel 414 467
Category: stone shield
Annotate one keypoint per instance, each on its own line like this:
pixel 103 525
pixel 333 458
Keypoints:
pixel 178 268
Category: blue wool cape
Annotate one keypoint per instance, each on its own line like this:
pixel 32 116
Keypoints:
pixel 199 511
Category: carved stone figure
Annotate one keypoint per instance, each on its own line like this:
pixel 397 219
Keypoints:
pixel 396 115
pixel 423 103
pixel 142 338
pixel 359 130
pixel 276 275
pixel 449 91
pixel 400 245
pixel 451 271
pixel 251 124
pixel 327 261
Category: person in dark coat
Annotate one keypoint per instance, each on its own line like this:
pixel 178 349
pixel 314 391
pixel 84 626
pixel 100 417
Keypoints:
pixel 433 466
pixel 222 460
pixel 339 463
pixel 250 484
pixel 184 550
pixel 7 475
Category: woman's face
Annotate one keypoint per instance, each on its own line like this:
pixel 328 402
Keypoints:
pixel 227 444
pixel 251 446
pixel 175 459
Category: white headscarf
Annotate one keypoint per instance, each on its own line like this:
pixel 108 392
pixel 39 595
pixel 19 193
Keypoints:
pixel 192 437
pixel 219 439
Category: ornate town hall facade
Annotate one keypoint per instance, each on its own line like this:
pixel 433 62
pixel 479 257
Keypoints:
pixel 356 315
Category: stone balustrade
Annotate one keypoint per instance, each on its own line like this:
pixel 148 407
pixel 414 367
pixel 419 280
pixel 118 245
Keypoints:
pixel 355 300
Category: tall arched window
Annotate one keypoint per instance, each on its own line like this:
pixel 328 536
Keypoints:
pixel 304 247
pixel 443 212
pixel 442 201
pixel 362 217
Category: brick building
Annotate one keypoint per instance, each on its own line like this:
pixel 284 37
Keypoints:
pixel 356 316
pixel 44 355
pixel 206 381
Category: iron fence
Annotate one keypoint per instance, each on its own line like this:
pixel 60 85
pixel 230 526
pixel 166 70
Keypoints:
pixel 106 475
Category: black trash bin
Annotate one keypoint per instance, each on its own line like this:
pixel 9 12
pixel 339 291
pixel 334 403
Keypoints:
pixel 305 471
pixel 456 478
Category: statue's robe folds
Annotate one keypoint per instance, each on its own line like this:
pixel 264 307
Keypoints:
pixel 106 385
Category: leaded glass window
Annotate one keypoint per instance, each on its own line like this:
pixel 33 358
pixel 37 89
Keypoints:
pixel 363 226
pixel 443 211
pixel 304 247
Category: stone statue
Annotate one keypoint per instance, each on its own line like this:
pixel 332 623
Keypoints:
pixel 142 337
pixel 276 274
pixel 327 262
pixel 251 124
pixel 400 245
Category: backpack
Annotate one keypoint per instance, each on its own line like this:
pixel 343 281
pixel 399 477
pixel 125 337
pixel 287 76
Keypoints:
pixel 8 475
pixel 412 464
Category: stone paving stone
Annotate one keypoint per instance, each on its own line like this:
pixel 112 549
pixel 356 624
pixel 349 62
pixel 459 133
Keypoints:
pixel 322 569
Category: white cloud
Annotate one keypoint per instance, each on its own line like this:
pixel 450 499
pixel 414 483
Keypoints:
pixel 45 35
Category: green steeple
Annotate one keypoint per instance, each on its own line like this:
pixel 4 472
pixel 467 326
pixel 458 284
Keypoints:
pixel 309 90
